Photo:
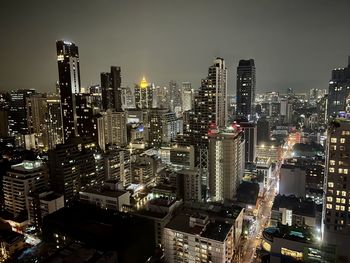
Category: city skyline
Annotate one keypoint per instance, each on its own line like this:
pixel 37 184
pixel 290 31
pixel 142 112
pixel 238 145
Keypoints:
pixel 157 42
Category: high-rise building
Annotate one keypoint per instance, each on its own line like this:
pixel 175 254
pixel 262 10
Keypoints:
pixel 112 130
pixel 54 121
pixel 162 126
pixel 144 95
pixel 18 112
pixel 263 129
pixel 75 165
pixel 175 96
pixel 111 89
pixel 250 138
pixel 339 89
pixel 187 96
pixel 86 123
pixel 117 166
pixel 226 162
pixel 246 89
pixel 336 210
pixel 69 85
pixel 210 106
pixel 22 179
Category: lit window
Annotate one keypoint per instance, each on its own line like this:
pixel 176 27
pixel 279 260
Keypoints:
pixel 331 170
pixel 329 199
pixel 333 140
pixel 337 207
pixel 346 171
pixel 329 206
pixel 342 140
pixel 330 184
pixel 332 162
pixel 343 193
pixel 342 208
pixel 340 170
pixel 337 200
pixel 343 201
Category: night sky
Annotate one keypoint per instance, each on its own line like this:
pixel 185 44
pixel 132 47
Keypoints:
pixel 295 43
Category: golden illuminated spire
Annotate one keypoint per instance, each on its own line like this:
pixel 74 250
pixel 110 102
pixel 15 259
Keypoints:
pixel 143 83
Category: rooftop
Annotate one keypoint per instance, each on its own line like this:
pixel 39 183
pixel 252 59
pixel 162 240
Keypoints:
pixel 298 234
pixel 211 230
pixel 299 206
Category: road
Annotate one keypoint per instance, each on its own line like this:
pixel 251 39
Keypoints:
pixel 262 220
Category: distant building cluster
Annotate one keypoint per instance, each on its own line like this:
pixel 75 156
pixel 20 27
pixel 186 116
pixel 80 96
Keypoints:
pixel 109 173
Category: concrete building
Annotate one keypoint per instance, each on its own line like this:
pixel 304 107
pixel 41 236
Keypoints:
pixel 292 180
pixel 112 129
pixel 110 196
pixel 226 162
pixel 336 228
pixel 40 204
pixel 19 181
pixel 194 238
pixel 290 210
pixel 189 185
pixel 250 138
pixel 117 166
pixel 182 157
pixel 187 96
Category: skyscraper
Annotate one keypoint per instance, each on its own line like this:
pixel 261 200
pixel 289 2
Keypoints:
pixel 144 95
pixel 111 89
pixel 187 96
pixel 339 89
pixel 336 210
pixel 18 111
pixel 69 84
pixel 246 89
pixel 226 162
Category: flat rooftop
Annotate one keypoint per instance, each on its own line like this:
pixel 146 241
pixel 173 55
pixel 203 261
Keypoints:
pixel 104 192
pixel 212 230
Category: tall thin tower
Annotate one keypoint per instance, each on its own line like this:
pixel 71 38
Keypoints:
pixel 246 89
pixel 69 85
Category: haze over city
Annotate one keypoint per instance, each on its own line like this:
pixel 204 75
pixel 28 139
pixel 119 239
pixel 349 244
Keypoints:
pixel 295 43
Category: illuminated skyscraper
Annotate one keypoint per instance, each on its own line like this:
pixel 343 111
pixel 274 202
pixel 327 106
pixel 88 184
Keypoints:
pixel 69 84
pixel 187 96
pixel 339 89
pixel 144 95
pixel 246 89
pixel 226 162
pixel 336 210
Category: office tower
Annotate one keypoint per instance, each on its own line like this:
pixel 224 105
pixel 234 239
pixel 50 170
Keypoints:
pixel 96 98
pixel 111 126
pixel 210 106
pixel 117 166
pixel 86 123
pixel 18 112
pixel 128 98
pixel 263 129
pixel 19 181
pixel 144 95
pixel 37 119
pixel 162 127
pixel 336 210
pixel 226 162
pixel 42 203
pixel 4 124
pixel 175 96
pixel 75 165
pixel 217 74
pixel 187 96
pixel 69 83
pixel 246 89
pixel 250 138
pixel 54 121
pixel 195 238
pixel 111 89
pixel 338 90
pixel 161 98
